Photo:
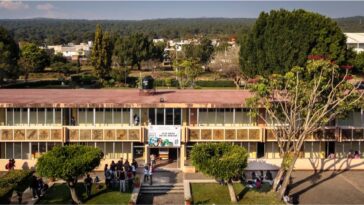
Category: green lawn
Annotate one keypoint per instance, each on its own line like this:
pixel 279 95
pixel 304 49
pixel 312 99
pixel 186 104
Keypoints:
pixel 60 194
pixel 213 193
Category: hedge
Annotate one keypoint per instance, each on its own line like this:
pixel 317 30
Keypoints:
pixel 215 83
pixel 17 180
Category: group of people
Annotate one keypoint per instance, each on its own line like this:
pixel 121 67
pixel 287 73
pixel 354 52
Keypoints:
pixel 257 179
pixel 38 187
pixel 120 173
pixel 350 155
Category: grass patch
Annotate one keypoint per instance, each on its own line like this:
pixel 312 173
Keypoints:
pixel 213 193
pixel 60 194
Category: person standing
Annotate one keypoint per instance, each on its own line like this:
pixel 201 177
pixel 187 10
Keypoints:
pixel 122 180
pixel 88 185
pixel 34 186
pixel 146 173
pixel 150 173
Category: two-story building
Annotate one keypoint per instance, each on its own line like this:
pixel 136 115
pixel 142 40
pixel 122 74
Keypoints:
pixel 128 124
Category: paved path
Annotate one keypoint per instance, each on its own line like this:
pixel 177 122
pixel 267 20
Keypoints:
pixel 164 177
pixel 328 187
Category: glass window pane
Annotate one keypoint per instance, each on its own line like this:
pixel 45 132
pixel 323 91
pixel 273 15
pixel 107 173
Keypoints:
pixel 90 116
pixel 126 116
pixel 160 116
pixel 9 116
pixel 24 116
pixel 32 116
pixel 117 116
pixel 169 116
pixel 109 152
pixel 25 150
pixel 136 117
pixel 9 150
pixel 229 116
pixel 99 115
pixel 118 150
pixel 177 116
pixel 41 116
pixel 17 116
pixel 82 116
pixel 58 116
pixel 211 120
pixel 101 146
pixel 2 150
pixel 49 116
pixel 203 117
pixel 220 116
pixel 35 150
pixel 17 150
pixel 108 116
pixel 42 147
pixel 152 116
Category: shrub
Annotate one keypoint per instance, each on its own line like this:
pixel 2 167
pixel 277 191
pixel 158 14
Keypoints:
pixel 215 83
pixel 17 180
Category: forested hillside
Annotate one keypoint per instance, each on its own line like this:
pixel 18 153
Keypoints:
pixel 57 31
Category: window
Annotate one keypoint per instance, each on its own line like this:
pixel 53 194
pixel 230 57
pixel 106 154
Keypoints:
pixel 203 117
pixel 220 117
pixel 229 116
pixel 33 117
pixel 177 116
pixel 41 116
pixel 49 116
pixel 90 116
pixel 9 152
pixel 169 116
pixel 109 150
pixel 160 116
pixel 117 116
pixel 126 116
pixel 109 116
pixel 24 116
pixel 81 116
pixel 151 116
pixel 25 150
pixel 58 116
pixel 17 150
pixel 17 114
pixel 99 115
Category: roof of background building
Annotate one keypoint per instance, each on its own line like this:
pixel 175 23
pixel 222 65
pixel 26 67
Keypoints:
pixel 122 98
pixel 354 37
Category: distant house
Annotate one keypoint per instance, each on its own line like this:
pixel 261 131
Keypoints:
pixel 71 51
pixel 355 41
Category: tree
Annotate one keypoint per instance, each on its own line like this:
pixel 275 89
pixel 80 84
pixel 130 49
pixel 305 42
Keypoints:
pixel 69 163
pixel 102 53
pixel 201 52
pixel 359 62
pixel 33 59
pixel 299 104
pixel 187 71
pixel 134 49
pixel 226 64
pixel 220 160
pixel 282 39
pixel 9 55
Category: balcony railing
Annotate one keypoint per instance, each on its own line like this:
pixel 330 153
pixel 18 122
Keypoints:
pixel 79 133
pixel 31 133
pixel 224 134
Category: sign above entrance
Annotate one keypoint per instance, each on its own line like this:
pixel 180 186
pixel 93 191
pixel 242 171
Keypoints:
pixel 164 135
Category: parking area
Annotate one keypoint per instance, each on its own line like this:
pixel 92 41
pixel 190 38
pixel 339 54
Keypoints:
pixel 342 187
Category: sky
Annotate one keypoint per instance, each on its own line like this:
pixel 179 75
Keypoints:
pixel 138 10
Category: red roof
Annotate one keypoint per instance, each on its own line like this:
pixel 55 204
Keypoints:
pixel 121 98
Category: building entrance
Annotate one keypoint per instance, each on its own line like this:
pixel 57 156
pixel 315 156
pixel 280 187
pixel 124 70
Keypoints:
pixel 165 157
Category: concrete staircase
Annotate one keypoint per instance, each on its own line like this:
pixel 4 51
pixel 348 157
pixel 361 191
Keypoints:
pixel 176 188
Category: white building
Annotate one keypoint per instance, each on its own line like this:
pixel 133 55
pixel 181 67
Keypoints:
pixel 355 41
pixel 72 51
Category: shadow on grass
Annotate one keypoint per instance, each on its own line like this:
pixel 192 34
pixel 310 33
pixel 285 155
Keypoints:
pixel 202 202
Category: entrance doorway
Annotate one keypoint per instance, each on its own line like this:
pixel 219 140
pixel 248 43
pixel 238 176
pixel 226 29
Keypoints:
pixel 330 148
pixel 260 149
pixel 166 157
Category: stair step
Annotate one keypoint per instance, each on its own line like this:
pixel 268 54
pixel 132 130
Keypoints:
pixel 161 192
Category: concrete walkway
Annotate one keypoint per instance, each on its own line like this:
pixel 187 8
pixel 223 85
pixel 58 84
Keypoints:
pixel 163 177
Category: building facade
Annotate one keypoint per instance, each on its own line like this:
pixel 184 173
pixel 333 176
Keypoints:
pixel 129 124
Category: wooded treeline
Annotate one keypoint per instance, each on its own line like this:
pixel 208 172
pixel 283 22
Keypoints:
pixel 58 31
